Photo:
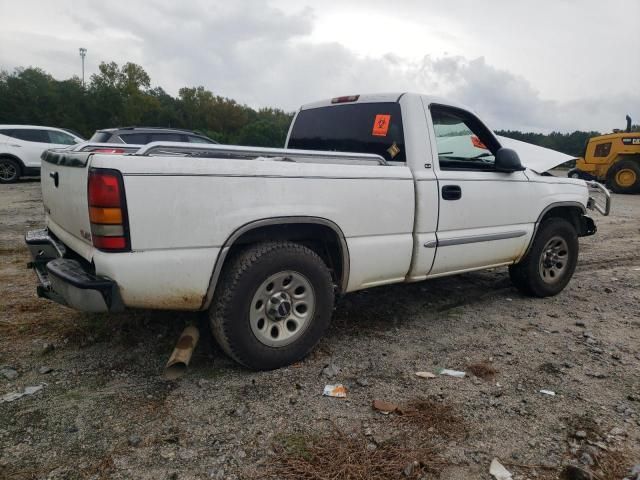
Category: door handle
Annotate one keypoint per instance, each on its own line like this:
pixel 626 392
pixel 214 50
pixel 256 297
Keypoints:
pixel 451 192
pixel 54 175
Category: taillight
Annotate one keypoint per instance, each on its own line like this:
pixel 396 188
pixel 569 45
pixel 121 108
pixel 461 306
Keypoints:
pixel 345 99
pixel 108 211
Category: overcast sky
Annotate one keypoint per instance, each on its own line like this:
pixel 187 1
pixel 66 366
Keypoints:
pixel 530 65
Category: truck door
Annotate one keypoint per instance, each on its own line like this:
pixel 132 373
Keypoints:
pixel 480 222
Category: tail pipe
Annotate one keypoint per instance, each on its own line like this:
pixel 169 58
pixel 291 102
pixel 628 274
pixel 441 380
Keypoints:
pixel 628 124
pixel 181 356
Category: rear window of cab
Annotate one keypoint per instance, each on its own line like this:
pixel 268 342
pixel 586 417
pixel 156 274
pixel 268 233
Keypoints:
pixel 374 128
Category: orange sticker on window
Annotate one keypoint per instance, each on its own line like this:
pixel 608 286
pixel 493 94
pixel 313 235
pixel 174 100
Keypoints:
pixel 381 125
pixel 477 142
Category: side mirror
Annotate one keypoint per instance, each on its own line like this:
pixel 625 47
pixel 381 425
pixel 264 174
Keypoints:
pixel 507 160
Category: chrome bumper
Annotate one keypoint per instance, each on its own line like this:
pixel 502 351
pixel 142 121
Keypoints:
pixel 599 198
pixel 68 281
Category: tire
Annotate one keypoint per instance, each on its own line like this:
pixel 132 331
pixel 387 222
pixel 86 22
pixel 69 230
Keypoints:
pixel 9 170
pixel 257 315
pixel 624 176
pixel 537 274
pixel 574 173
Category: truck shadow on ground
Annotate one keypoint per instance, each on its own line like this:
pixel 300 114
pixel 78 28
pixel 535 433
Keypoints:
pixel 390 306
pixel 119 341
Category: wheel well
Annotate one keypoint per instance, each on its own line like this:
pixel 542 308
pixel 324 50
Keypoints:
pixel 13 157
pixel 634 157
pixel 322 239
pixel 572 214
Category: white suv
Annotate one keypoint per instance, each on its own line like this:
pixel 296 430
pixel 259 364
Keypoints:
pixel 22 145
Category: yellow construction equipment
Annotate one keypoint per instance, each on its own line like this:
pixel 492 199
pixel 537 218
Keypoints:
pixel 613 159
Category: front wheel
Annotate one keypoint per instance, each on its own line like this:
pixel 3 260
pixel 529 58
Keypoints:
pixel 550 262
pixel 9 170
pixel 272 305
pixel 624 177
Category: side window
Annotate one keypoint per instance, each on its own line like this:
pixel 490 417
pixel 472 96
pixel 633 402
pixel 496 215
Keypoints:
pixel 194 139
pixel 165 137
pixel 60 138
pixel 31 135
pixel 463 142
pixel 135 138
pixel 602 150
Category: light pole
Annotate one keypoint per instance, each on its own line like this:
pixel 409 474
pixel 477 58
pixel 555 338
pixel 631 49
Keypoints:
pixel 83 52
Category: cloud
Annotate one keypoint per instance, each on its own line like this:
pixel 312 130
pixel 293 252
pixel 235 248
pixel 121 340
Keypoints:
pixel 262 55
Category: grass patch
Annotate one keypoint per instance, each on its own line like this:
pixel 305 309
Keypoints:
pixel 416 452
pixel 348 457
pixel 483 370
pixel 436 417
pixel 613 464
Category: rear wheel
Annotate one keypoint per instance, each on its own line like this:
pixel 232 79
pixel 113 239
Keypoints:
pixel 624 177
pixel 550 262
pixel 9 170
pixel 272 305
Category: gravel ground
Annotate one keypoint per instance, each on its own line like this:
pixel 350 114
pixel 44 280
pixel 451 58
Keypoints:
pixel 104 410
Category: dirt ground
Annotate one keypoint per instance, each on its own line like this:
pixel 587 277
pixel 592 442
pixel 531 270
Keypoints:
pixel 105 412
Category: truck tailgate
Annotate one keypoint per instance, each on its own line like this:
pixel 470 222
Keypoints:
pixel 64 195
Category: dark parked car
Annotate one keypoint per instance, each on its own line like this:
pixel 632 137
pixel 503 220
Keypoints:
pixel 144 135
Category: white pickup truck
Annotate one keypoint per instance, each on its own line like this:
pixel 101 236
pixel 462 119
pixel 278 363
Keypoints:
pixel 369 190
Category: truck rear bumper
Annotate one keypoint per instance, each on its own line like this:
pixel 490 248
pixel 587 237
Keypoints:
pixel 67 281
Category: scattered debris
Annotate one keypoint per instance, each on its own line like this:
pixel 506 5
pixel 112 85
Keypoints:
pixel 44 370
pixel 338 391
pixel 10 397
pixel 548 392
pixel 363 382
pixel 384 407
pixel 497 470
pixel 580 434
pixel 134 440
pixel 179 360
pixel 451 373
pixel 426 375
pixel 8 372
pixel 331 370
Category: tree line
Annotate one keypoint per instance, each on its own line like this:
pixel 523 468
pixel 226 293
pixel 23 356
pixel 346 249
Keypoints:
pixel 123 96
pixel 120 96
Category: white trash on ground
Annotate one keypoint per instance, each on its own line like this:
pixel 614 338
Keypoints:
pixel 548 392
pixel 10 397
pixel 337 391
pixel 498 471
pixel 451 373
pixel 426 375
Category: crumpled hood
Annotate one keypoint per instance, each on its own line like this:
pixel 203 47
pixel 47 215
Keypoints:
pixel 538 159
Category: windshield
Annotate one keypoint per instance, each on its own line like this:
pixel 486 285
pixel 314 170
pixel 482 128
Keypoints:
pixel 374 128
